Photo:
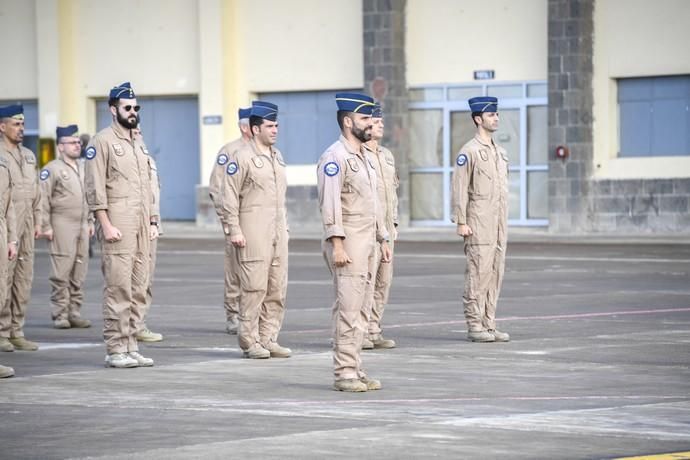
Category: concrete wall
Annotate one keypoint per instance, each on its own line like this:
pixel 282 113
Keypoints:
pixel 635 38
pixel 449 39
pixel 18 26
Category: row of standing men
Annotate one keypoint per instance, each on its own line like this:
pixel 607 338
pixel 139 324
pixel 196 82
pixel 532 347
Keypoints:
pixel 357 182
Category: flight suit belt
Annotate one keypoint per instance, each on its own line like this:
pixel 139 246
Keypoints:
pixel 68 215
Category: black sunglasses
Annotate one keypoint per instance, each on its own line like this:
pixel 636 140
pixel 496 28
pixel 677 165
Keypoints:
pixel 127 108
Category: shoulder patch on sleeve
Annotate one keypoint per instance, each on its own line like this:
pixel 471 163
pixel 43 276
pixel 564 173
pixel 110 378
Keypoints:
pixel 461 160
pixel 90 153
pixel 222 159
pixel 45 174
pixel 232 168
pixel 331 168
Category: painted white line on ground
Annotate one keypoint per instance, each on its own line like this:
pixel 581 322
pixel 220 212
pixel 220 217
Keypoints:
pixel 460 255
pixel 66 346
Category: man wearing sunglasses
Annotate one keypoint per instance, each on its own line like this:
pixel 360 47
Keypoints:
pixel 67 224
pixel 118 190
pixel 26 198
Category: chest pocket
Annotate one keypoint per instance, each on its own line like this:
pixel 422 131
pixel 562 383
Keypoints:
pixel 481 176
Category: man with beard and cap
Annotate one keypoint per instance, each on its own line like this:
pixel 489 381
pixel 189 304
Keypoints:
pixel 26 200
pixel 231 294
pixel 144 334
pixel 387 189
pixel 480 210
pixel 118 191
pixel 256 216
pixel 8 241
pixel 67 223
pixel 352 225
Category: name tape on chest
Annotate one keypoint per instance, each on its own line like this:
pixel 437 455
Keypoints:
pixel 232 168
pixel 331 169
pixel 258 162
pixel 461 160
pixel 90 153
pixel 352 163
pixel 222 159
pixel 45 174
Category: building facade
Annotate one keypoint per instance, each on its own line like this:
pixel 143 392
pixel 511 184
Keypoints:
pixel 594 77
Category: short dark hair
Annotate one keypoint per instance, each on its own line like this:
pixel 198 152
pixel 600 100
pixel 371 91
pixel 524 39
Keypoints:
pixel 341 116
pixel 476 114
pixel 255 121
pixel 113 101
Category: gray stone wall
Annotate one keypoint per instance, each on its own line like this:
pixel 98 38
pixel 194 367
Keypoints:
pixel 385 79
pixel 570 30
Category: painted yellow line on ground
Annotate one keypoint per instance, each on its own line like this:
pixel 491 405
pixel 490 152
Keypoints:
pixel 669 456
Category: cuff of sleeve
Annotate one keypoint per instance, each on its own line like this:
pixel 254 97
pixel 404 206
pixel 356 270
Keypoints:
pixel 98 207
pixel 333 230
pixel 234 230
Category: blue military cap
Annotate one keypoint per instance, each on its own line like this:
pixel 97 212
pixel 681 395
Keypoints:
pixel 244 113
pixel 264 110
pixel 483 104
pixel 65 131
pixel 123 91
pixel 377 112
pixel 14 110
pixel 354 102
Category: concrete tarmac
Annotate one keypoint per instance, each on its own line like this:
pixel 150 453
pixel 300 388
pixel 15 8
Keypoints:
pixel 597 368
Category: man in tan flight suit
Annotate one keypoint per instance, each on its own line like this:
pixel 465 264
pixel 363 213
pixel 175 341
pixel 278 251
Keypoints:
pixel 387 189
pixel 480 210
pixel 231 293
pixel 8 241
pixel 254 207
pixel 67 223
pixel 144 334
pixel 118 191
pixel 26 200
pixel 346 181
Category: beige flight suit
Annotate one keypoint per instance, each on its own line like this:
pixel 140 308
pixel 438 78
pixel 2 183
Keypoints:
pixel 480 200
pixel 26 199
pixel 217 191
pixel 346 182
pixel 141 312
pixel 117 180
pixel 387 192
pixel 64 210
pixel 8 232
pixel 254 206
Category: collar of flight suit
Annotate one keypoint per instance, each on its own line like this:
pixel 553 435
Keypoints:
pixel 257 151
pixel 121 132
pixel 349 148
pixel 74 168
pixel 479 139
pixel 375 152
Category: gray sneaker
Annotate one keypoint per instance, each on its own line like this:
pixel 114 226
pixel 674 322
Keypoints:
pixel 277 351
pixel 499 336
pixel 79 322
pixel 6 371
pixel 381 343
pixel 120 361
pixel 256 351
pixel 480 336
pixel 350 385
pixel 232 326
pixel 5 344
pixel 61 324
pixel 146 335
pixel 140 359
pixel 372 384
pixel 20 343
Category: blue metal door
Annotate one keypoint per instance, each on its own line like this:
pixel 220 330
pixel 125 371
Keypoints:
pixel 171 132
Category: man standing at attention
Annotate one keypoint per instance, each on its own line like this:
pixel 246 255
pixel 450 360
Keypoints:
pixel 254 206
pixel 387 190
pixel 346 182
pixel 231 292
pixel 480 210
pixel 118 191
pixel 8 244
pixel 67 223
pixel 26 200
